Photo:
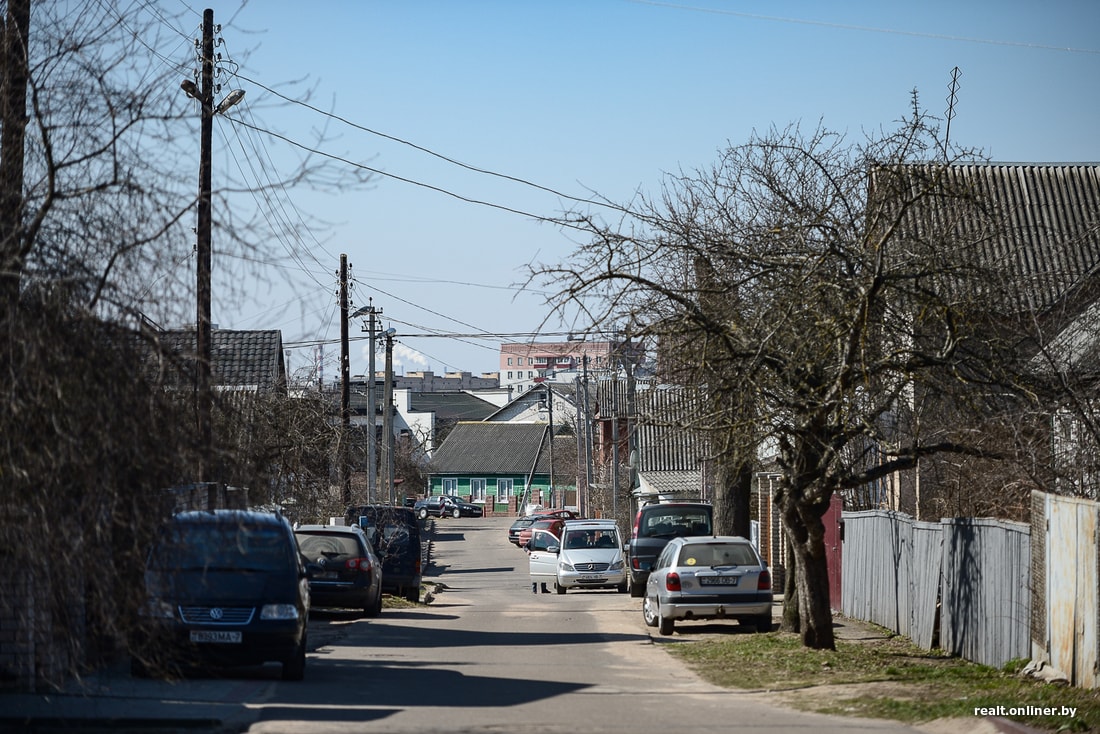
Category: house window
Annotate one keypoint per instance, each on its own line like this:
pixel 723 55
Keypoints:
pixel 509 375
pixel 450 486
pixel 477 490
pixel 509 361
pixel 504 489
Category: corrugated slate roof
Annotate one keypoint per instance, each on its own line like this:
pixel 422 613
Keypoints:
pixel 1038 223
pixel 492 448
pixel 460 406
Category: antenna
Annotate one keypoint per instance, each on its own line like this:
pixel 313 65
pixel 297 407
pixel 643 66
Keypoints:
pixel 952 98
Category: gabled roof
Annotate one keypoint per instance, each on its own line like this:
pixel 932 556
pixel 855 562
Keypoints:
pixel 457 405
pixel 494 448
pixel 239 359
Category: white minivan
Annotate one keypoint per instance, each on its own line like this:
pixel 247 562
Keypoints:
pixel 589 556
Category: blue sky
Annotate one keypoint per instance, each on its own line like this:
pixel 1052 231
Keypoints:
pixel 590 96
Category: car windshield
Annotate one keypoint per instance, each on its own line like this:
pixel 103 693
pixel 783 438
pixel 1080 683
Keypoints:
pixel 201 547
pixel 591 538
pixel 673 523
pixel 716 554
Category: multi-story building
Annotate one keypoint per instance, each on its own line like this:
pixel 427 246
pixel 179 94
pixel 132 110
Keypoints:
pixel 525 365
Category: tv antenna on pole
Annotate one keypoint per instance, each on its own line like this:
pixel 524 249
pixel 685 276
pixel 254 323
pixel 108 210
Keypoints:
pixel 952 98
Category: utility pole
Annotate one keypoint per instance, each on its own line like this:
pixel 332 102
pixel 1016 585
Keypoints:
pixel 372 400
pixel 387 419
pixel 13 124
pixel 550 413
pixel 587 439
pixel 202 254
pixel 345 385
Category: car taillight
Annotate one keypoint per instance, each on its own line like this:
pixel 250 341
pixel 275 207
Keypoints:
pixel 360 563
pixel 765 581
pixel 637 522
pixel 672 582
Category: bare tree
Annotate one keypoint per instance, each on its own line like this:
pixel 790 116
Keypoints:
pixel 98 170
pixel 826 314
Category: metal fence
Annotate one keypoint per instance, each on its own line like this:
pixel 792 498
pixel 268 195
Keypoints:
pixel 966 578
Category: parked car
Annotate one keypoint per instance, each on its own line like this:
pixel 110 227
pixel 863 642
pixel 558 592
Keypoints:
pixel 525 522
pixel 395 534
pixel 654 525
pixel 349 572
pixel 716 577
pixel 589 556
pixel 552 524
pixel 445 505
pixel 224 588
pixel 465 509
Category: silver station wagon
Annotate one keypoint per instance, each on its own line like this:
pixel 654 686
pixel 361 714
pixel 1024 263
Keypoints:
pixel 708 577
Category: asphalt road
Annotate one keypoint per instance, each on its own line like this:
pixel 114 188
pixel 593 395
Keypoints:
pixel 485 655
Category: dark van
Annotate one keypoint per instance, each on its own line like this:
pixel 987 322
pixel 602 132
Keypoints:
pixel 395 534
pixel 655 525
pixel 223 588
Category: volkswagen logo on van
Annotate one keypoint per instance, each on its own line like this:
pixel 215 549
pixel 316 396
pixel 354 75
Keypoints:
pixel 216 613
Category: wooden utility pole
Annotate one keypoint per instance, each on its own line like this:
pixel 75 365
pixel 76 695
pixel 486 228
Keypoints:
pixel 345 386
pixel 202 252
pixel 13 125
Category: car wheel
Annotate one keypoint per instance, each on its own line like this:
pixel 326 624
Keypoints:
pixel 295 667
pixel 412 594
pixel 559 588
pixel 373 607
pixel 636 590
pixel 621 588
pixel 456 513
pixel 649 613
pixel 423 513
pixel 665 625
pixel 763 623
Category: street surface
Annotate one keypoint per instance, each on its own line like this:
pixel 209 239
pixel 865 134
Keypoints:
pixel 485 655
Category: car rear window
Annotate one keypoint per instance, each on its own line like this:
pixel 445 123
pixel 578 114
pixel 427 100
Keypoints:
pixel 330 546
pixel 717 554
pixel 673 522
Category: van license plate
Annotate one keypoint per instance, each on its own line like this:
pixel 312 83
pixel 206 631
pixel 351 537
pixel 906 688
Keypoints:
pixel 216 636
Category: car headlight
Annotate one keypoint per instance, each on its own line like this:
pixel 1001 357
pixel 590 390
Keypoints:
pixel 567 567
pixel 279 611
pixel 157 609
pixel 617 565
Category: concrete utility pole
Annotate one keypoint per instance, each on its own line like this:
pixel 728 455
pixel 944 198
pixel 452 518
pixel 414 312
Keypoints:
pixel 387 420
pixel 345 385
pixel 202 251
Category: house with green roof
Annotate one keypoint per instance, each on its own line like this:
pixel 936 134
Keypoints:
pixel 505 466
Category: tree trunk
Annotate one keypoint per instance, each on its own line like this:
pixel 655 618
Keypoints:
pixel 733 495
pixel 806 540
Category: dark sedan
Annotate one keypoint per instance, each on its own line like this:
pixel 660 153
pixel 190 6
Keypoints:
pixel 446 505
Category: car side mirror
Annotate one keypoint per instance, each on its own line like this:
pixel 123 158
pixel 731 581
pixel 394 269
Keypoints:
pixel 553 549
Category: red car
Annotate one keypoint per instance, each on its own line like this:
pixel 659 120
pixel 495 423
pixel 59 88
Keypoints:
pixel 552 524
